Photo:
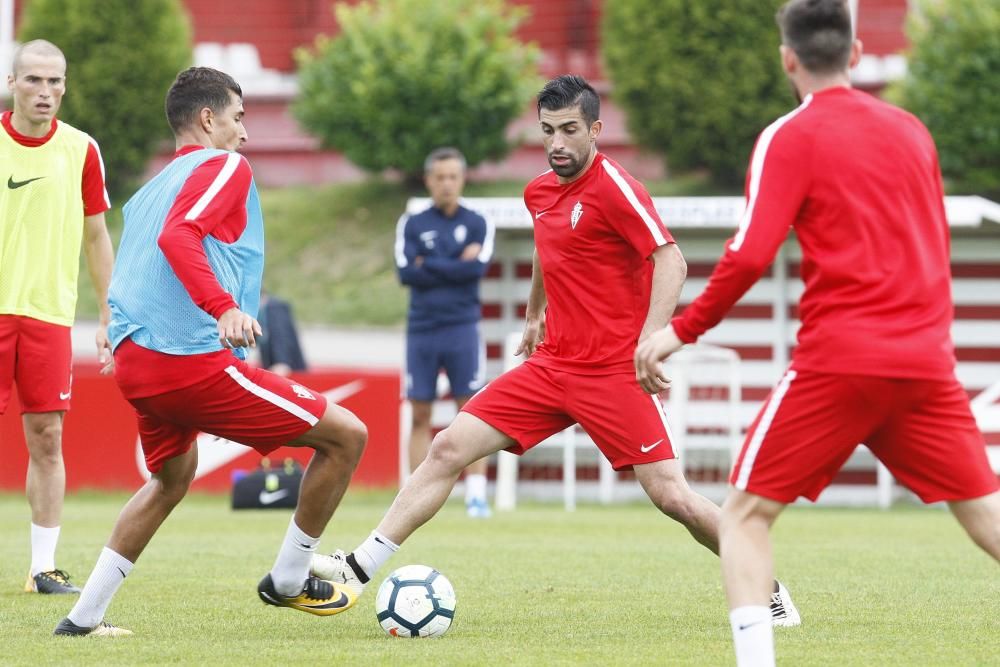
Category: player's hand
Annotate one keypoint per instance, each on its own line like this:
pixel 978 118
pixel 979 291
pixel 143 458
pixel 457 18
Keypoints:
pixel 237 329
pixel 648 355
pixel 104 356
pixel 534 334
pixel 471 252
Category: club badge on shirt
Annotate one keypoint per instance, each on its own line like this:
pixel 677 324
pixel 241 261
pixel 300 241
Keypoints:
pixel 576 215
pixel 427 238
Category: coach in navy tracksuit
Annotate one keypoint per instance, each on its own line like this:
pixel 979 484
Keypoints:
pixel 441 254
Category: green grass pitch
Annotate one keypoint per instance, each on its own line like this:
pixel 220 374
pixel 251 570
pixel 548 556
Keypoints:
pixel 618 585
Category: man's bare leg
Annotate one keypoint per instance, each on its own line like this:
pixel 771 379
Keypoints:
pixel 45 488
pixel 420 432
pixel 476 504
pixel 664 483
pixel 138 521
pixel 468 439
pixel 453 449
pixel 748 574
pixel 981 519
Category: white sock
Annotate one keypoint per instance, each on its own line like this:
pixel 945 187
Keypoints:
pixel 292 565
pixel 109 573
pixel 43 548
pixel 374 552
pixel 753 636
pixel 475 487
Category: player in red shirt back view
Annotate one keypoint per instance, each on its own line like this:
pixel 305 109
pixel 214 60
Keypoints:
pixel 858 180
pixel 606 274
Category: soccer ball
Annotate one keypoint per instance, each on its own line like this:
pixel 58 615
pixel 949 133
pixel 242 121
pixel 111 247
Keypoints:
pixel 415 601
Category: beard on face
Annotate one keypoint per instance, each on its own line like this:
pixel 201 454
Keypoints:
pixel 571 168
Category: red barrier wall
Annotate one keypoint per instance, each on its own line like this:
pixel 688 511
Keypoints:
pixel 100 436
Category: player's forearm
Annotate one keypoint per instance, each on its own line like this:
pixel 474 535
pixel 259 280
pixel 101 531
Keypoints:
pixel 536 298
pixel 418 276
pixel 728 283
pixel 669 273
pixel 100 261
pixel 455 270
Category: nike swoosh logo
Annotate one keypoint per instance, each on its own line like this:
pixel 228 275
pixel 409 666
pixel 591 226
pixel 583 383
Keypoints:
pixel 338 394
pixel 750 625
pixel 342 601
pixel 215 452
pixel 271 497
pixel 120 570
pixel 63 397
pixel 14 185
pixel 646 448
pixel 539 214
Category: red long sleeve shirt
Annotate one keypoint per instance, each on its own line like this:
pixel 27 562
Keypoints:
pixel 212 202
pixel 859 182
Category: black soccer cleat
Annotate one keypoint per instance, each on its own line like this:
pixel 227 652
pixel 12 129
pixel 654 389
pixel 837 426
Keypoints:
pixel 68 628
pixel 318 596
pixel 53 582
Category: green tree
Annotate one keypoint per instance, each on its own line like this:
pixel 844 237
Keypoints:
pixel 121 58
pixel 952 87
pixel 698 80
pixel 406 76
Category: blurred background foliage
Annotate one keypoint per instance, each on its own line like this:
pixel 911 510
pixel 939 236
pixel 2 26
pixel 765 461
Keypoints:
pixel 406 76
pixel 698 80
pixel 121 58
pixel 953 86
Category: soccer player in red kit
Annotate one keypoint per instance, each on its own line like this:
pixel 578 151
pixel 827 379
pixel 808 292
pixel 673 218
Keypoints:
pixel 859 182
pixel 606 274
pixel 184 296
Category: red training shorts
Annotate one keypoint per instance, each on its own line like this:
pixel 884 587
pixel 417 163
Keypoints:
pixel 922 430
pixel 39 357
pixel 240 403
pixel 529 403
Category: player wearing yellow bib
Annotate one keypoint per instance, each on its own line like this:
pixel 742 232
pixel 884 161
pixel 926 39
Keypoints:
pixel 52 200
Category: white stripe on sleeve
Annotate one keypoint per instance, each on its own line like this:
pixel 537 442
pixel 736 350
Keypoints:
pixel 400 249
pixel 626 189
pixel 227 171
pixel 757 168
pixel 100 160
pixel 486 253
pixel 758 435
pixel 271 397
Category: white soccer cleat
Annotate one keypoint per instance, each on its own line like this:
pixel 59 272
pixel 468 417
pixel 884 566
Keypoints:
pixel 340 568
pixel 783 611
pixel 68 628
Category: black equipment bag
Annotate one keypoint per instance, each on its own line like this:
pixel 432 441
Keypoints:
pixel 268 488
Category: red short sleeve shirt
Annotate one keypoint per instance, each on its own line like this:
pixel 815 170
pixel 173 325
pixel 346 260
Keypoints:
pixel 594 237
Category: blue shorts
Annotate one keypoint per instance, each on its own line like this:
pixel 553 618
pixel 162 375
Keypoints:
pixel 456 349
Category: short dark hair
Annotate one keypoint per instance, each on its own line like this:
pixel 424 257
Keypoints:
pixel 443 153
pixel 567 91
pixel 194 89
pixel 820 33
